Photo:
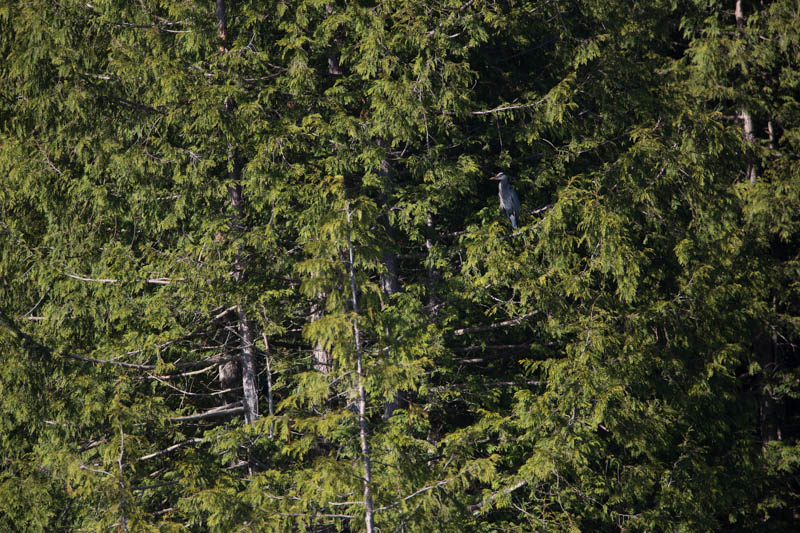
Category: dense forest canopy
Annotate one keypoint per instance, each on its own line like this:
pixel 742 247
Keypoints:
pixel 254 275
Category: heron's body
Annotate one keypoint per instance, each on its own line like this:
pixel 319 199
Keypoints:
pixel 509 201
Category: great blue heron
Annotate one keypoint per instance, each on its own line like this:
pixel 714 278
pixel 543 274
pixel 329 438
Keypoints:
pixel 509 201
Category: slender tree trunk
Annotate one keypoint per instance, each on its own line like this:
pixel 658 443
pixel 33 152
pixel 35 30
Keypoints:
pixel 390 284
pixel 764 345
pixel 123 525
pixel 773 135
pixel 321 359
pixel 270 402
pixel 246 326
pixel 744 114
pixel 333 60
pixel 362 395
pixel 248 358
pixel 433 274
pixel 749 137
pixel 739 13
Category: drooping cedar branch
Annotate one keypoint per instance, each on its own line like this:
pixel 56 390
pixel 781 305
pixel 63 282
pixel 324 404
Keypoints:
pixel 29 342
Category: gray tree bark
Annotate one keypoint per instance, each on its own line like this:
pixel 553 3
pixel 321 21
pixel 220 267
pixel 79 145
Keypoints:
pixel 744 114
pixel 362 395
pixel 246 327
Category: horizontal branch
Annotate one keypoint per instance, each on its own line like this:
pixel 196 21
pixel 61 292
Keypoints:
pixel 224 410
pixel 28 340
pixel 508 490
pixel 170 449
pixel 490 347
pixel 499 354
pixel 508 108
pixel 189 364
pixel 213 366
pixel 163 281
pixel 109 362
pixel 540 209
pixel 341 504
pixel 479 360
pixel 529 382
pixel 415 493
pixel 153 281
pixel 504 323
pixel 317 515
pixel 162 27
pixel 96 470
pixel 95 280
pixel 205 362
pixel 452 234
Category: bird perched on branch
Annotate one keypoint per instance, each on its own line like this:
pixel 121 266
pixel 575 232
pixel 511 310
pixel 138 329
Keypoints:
pixel 509 201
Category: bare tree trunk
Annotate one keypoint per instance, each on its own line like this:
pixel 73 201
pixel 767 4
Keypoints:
pixel 246 326
pixel 765 345
pixel 749 137
pixel 744 114
pixel 222 22
pixel 362 395
pixel 433 274
pixel 321 359
pixel 390 284
pixel 123 523
pixel 774 133
pixel 248 359
pixel 270 402
pixel 333 60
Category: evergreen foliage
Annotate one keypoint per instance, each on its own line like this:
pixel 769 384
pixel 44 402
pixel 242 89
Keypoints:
pixel 198 192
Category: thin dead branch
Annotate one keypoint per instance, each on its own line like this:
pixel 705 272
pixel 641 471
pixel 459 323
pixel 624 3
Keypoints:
pixel 170 449
pixel 487 327
pixel 217 412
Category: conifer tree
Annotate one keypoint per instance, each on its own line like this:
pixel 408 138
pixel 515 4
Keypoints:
pixel 253 274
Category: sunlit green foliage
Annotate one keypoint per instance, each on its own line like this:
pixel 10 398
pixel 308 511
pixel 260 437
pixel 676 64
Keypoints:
pixel 626 361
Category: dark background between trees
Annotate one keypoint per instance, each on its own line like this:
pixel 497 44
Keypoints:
pixel 253 275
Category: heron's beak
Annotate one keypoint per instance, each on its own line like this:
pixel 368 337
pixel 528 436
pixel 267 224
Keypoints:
pixel 494 178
